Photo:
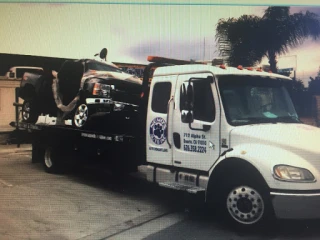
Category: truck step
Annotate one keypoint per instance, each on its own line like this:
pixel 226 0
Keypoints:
pixel 182 187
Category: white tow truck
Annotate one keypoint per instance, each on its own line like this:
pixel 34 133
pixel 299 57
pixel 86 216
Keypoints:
pixel 230 134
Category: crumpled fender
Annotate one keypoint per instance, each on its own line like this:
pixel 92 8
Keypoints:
pixel 265 157
pixel 58 100
pixel 54 74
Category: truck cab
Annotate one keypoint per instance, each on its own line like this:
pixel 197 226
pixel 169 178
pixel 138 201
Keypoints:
pixel 18 71
pixel 232 134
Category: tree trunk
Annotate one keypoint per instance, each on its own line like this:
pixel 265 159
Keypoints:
pixel 272 61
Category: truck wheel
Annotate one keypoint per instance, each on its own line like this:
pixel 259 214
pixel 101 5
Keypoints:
pixel 243 202
pixel 52 163
pixel 37 153
pixel 81 115
pixel 29 112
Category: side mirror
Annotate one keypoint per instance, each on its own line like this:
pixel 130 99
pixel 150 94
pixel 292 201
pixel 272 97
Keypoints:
pixel 187 116
pixel 187 103
pixel 190 97
pixel 11 74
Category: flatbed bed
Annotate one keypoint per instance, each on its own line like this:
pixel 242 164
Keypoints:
pixel 118 152
pixel 68 131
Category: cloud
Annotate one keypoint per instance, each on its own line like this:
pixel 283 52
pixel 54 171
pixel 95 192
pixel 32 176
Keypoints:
pixel 304 9
pixel 53 4
pixel 194 49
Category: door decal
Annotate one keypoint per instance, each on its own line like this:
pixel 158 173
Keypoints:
pixel 158 131
pixel 194 143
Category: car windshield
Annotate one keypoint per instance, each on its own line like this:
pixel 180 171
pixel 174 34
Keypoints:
pixel 255 99
pixel 101 67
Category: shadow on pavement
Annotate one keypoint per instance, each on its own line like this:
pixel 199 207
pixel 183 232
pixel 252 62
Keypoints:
pixel 280 229
pixel 199 223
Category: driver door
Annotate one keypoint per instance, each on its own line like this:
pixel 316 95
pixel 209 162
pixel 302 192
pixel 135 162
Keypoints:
pixel 197 147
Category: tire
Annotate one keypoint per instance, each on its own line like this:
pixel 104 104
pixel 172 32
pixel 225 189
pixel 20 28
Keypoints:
pixel 29 112
pixel 52 163
pixel 243 203
pixel 80 116
pixel 37 153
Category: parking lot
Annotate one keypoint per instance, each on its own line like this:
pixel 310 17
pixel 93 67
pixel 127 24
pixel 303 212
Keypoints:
pixel 86 203
pixel 81 204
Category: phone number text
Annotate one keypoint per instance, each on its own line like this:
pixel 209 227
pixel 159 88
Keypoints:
pixel 192 148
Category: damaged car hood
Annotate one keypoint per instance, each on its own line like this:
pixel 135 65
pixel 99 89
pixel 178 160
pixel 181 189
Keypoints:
pixel 111 75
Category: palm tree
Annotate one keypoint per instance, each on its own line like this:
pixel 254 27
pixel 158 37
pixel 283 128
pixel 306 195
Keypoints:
pixel 249 38
pixel 314 84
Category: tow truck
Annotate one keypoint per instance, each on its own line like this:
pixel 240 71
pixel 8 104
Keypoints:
pixel 229 134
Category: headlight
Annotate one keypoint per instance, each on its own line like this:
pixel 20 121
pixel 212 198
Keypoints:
pixel 294 174
pixel 102 90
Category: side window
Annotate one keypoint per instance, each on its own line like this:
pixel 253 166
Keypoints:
pixel 160 97
pixel 204 108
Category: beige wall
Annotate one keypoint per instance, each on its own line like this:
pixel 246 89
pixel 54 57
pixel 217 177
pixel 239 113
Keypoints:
pixel 7 97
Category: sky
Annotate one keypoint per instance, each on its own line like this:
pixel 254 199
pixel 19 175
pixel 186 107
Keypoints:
pixel 131 32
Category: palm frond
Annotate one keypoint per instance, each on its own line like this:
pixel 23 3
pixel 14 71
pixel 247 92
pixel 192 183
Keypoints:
pixel 247 39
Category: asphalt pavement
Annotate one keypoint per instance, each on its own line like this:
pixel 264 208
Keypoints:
pixel 84 203
pixel 87 203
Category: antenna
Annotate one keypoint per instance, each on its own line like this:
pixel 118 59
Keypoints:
pixel 103 54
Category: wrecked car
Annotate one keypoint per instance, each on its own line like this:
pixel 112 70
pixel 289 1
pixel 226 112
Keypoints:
pixel 80 90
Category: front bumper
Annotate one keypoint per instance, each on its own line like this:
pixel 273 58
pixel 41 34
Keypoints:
pixel 104 101
pixel 296 205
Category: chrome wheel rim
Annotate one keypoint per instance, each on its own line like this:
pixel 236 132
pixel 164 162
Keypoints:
pixel 81 115
pixel 47 158
pixel 245 205
pixel 26 111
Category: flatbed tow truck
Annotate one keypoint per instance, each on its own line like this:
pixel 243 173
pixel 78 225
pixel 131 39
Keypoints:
pixel 230 134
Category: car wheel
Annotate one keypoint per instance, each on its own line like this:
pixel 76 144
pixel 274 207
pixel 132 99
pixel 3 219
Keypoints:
pixel 243 202
pixel 29 112
pixel 81 115
pixel 52 163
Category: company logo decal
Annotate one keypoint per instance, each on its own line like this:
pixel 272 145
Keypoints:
pixel 158 132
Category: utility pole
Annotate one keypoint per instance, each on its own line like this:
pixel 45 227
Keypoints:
pixel 295 69
pixel 204 47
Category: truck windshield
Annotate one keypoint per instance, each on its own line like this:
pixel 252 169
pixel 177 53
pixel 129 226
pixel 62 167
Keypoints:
pixel 255 99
